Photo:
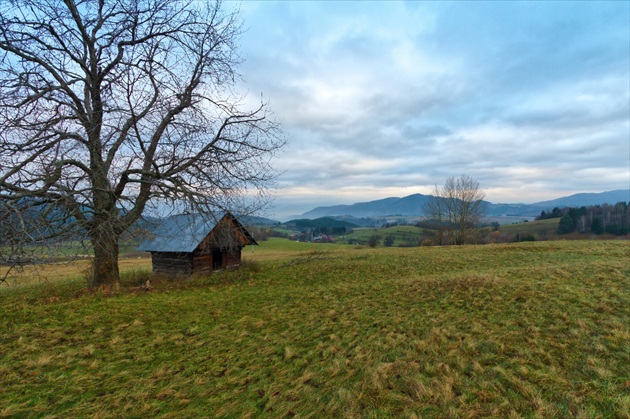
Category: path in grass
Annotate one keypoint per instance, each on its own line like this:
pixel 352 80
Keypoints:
pixel 526 329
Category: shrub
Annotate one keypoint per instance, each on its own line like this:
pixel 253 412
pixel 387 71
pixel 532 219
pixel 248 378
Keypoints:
pixel 374 240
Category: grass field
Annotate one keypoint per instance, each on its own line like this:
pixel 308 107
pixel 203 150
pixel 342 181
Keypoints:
pixel 402 235
pixel 541 229
pixel 523 329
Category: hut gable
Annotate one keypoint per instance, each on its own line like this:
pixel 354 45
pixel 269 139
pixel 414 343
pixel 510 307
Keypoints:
pixel 188 244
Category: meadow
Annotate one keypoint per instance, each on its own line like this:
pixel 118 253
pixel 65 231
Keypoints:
pixel 309 330
pixel 540 229
pixel 410 235
pixel 403 235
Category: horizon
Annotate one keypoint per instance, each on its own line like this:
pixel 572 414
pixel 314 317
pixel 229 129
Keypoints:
pixel 387 99
pixel 288 215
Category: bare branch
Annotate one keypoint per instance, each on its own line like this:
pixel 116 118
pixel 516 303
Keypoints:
pixel 456 209
pixel 107 107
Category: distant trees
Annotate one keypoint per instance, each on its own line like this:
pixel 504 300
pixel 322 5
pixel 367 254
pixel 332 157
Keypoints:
pixel 555 213
pixel 598 219
pixel 260 233
pixel 597 227
pixel 374 240
pixel 455 209
pixel 566 225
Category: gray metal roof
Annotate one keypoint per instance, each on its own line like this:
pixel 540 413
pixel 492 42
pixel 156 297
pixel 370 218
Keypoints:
pixel 180 233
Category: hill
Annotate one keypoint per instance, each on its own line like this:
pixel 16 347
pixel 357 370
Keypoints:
pixel 587 199
pixel 319 223
pixel 539 229
pixel 413 205
pixel 382 207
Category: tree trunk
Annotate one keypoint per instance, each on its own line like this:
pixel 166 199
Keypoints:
pixel 105 274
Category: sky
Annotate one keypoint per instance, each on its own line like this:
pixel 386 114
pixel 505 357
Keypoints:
pixel 382 99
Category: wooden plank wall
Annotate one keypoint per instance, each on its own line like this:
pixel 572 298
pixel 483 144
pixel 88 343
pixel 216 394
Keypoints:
pixel 172 264
pixel 186 264
pixel 202 263
pixel 232 259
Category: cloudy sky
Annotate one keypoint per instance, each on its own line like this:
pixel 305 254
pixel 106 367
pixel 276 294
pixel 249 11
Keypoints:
pixel 381 99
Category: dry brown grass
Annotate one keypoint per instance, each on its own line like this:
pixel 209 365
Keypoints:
pixel 519 330
pixel 60 271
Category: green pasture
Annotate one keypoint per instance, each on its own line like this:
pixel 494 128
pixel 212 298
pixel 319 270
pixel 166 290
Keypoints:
pixel 537 329
pixel 540 229
pixel 402 235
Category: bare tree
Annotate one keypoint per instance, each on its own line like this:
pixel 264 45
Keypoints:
pixel 455 209
pixel 435 213
pixel 108 108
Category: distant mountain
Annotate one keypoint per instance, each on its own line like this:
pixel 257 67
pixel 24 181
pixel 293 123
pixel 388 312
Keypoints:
pixel 587 199
pixel 512 210
pixel 251 220
pixel 413 206
pixel 409 205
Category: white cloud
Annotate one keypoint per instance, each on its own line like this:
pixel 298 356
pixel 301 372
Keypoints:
pixel 380 99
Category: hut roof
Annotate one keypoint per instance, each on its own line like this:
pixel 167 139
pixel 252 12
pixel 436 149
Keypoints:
pixel 184 232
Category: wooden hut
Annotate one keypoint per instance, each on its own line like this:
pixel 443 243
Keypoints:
pixel 189 244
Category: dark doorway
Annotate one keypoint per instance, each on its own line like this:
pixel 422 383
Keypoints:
pixel 217 260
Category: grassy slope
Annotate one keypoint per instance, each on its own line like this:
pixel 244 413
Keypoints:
pixel 401 234
pixel 59 271
pixel 533 328
pixel 540 228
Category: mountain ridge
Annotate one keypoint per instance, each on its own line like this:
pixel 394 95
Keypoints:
pixel 412 205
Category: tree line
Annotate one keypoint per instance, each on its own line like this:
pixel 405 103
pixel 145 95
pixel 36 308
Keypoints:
pixel 596 219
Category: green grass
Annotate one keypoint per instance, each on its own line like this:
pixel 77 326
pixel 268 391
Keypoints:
pixel 402 234
pixel 541 229
pixel 528 329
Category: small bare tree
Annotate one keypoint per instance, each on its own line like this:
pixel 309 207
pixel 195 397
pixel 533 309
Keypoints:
pixel 456 209
pixel 110 107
